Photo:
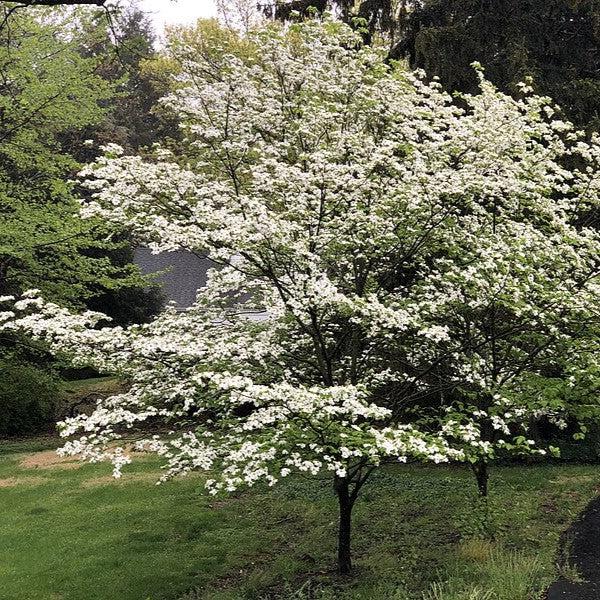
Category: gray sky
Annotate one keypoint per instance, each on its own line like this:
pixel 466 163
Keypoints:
pixel 172 12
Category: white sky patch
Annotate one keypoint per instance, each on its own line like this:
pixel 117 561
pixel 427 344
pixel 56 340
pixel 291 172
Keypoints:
pixel 177 12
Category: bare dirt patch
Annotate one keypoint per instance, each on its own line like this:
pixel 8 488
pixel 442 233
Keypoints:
pixel 49 460
pixel 15 481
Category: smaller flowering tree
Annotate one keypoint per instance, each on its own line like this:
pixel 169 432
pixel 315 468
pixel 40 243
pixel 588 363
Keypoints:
pixel 537 269
pixel 379 227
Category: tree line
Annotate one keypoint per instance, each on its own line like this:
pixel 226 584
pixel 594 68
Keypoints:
pixel 66 79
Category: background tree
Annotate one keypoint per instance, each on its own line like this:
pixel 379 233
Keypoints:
pixel 49 94
pixel 207 39
pixel 121 48
pixel 9 8
pixel 377 20
pixel 555 42
pixel 47 90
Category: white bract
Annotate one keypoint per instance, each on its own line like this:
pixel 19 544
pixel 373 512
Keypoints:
pixel 416 257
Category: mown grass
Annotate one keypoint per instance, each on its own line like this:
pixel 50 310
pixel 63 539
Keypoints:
pixel 82 393
pixel 79 387
pixel 71 533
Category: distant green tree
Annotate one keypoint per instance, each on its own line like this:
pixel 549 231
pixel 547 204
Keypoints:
pixel 122 47
pixel 555 42
pixel 136 40
pixel 48 91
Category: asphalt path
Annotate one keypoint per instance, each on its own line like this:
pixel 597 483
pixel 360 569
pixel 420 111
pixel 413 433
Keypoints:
pixel 583 553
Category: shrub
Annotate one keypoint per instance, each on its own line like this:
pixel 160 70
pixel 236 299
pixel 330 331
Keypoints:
pixel 28 398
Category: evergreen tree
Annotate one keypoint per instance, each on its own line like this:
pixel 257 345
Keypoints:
pixel 122 51
pixel 555 42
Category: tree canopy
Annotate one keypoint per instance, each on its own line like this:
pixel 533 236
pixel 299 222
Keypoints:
pixel 419 263
pixel 50 96
pixel 372 17
pixel 48 90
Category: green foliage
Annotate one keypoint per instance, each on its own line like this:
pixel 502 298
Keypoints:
pixel 206 38
pixel 48 90
pixel 481 518
pixel 449 592
pixel 52 96
pixel 505 575
pixel 552 41
pixel 128 305
pixel 579 447
pixel 139 97
pixel 132 115
pixel 28 397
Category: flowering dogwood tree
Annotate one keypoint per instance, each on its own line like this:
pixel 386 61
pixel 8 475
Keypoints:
pixel 380 227
pixel 523 296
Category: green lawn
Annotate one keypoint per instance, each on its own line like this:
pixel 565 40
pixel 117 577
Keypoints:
pixel 86 391
pixel 80 387
pixel 68 532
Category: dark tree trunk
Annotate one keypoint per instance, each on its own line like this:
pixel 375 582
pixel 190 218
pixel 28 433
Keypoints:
pixel 346 502
pixel 482 475
pixel 3 276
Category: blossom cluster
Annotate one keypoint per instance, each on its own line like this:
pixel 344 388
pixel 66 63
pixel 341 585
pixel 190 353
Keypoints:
pixel 416 259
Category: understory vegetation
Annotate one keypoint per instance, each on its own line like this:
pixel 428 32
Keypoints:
pixel 70 531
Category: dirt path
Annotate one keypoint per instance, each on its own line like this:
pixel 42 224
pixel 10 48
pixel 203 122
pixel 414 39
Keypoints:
pixel 583 553
pixel 49 459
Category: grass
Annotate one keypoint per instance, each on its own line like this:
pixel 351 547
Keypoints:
pixel 69 532
pixel 80 387
pixel 84 392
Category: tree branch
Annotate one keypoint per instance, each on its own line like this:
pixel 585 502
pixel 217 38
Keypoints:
pixel 25 3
